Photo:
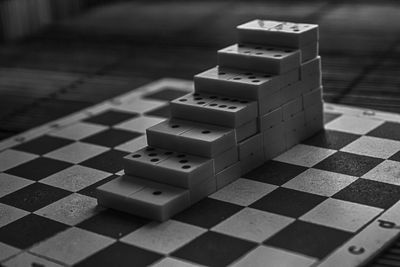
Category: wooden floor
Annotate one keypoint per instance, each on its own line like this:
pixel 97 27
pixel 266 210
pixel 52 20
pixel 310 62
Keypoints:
pixel 115 48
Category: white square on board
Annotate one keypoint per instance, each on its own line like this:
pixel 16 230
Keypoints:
pixel 254 225
pixel 373 147
pixel 71 209
pixel 243 192
pixel 305 155
pixel 170 262
pixel 163 237
pixel 78 130
pixel 264 256
pixel 75 178
pixel 139 124
pixel 388 172
pixel 27 259
pixel 6 251
pixel 140 105
pixel 77 152
pixel 344 215
pixel 9 214
pixel 10 183
pixel 134 145
pixel 72 245
pixel 352 124
pixel 11 158
pixel 320 182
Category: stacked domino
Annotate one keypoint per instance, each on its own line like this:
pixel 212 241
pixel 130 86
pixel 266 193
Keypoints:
pixel 264 97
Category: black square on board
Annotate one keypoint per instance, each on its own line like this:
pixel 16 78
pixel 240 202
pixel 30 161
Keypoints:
pixel 331 139
pixel 309 239
pixel 113 223
pixel 288 202
pixel 111 117
pixel 29 230
pixel 109 161
pixel 163 111
pixel 207 212
pixel 395 157
pixel 34 196
pixel 167 94
pixel 111 137
pixel 43 144
pixel 38 168
pixel 388 130
pixel 370 193
pixel 348 163
pixel 214 249
pixel 121 254
pixel 275 172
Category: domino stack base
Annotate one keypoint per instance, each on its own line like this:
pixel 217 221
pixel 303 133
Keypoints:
pixel 264 97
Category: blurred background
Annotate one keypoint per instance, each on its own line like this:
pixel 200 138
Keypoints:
pixel 60 56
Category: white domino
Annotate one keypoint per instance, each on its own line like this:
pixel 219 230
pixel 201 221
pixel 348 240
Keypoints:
pixel 246 84
pixel 271 119
pixel 312 97
pixel 259 58
pixel 246 130
pixel 228 175
pixel 278 33
pixel 222 111
pixel 195 138
pixel 177 169
pixel 253 143
pixel 142 197
pixel 274 141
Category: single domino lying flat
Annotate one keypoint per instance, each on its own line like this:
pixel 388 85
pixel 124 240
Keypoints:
pixel 194 138
pixel 268 32
pixel 244 84
pixel 222 111
pixel 143 197
pixel 163 166
pixel 259 58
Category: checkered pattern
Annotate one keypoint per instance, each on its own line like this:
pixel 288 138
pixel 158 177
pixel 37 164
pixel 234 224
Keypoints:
pixel 292 211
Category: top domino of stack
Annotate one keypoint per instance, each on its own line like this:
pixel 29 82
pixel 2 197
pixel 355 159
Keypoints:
pixel 287 34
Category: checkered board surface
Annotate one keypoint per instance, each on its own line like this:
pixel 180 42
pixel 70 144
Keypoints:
pixel 331 201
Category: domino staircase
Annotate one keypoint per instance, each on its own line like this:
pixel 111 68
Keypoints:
pixel 264 97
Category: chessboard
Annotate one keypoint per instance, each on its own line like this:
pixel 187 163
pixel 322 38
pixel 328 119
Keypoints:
pixel 332 200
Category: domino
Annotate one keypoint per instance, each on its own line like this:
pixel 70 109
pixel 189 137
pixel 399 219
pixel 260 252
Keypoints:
pixel 194 138
pixel 291 108
pixel 271 119
pixel 277 33
pixel 246 85
pixel 166 133
pixel 259 58
pixel 271 102
pixel 222 111
pixel 142 197
pixel 249 145
pixel 312 98
pixel 246 130
pixel 176 169
pixel 311 67
pixel 293 91
pixel 314 119
pixel 254 160
pixel 225 159
pixel 294 129
pixel 309 52
pixel 311 82
pixel 228 175
pixel 274 141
